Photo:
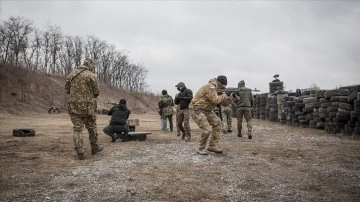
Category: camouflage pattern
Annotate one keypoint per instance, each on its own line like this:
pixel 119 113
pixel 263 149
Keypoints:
pixel 206 98
pixel 244 102
pixel 226 118
pixel 167 105
pixel 83 88
pixel 243 112
pixel 165 120
pixel 201 111
pixel 90 124
pixel 209 124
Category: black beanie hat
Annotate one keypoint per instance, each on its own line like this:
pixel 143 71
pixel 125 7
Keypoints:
pixel 164 92
pixel 122 101
pixel 222 79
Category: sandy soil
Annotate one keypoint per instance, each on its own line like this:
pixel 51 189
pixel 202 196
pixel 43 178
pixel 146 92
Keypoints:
pixel 280 163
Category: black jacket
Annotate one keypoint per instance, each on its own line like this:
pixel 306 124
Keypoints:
pixel 119 114
pixel 184 98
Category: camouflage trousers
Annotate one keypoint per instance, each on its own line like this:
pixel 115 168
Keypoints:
pixel 243 112
pixel 164 120
pixel 183 118
pixel 226 115
pixel 90 124
pixel 209 124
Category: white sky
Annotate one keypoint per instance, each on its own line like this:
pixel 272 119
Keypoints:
pixel 306 42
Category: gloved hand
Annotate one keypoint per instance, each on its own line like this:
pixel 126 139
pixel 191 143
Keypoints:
pixel 181 95
pixel 233 95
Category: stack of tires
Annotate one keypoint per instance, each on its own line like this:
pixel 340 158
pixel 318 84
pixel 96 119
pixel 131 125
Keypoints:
pixel 257 106
pixel 281 104
pixel 338 111
pixel 309 105
pixel 298 110
pixel 273 108
pixel 290 113
pixel 355 114
pixel 276 85
pixel 349 109
pixel 263 98
pixel 316 118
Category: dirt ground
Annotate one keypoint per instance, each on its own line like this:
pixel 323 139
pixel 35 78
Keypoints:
pixel 280 163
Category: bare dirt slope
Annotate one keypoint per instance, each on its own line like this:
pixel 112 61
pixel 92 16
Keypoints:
pixel 280 163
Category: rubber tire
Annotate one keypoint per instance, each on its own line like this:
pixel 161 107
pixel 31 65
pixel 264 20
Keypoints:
pixel 23 132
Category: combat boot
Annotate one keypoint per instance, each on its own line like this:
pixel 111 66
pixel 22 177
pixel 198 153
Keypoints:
pixel 202 152
pixel 239 135
pixel 97 150
pixel 249 135
pixel 215 149
pixel 113 137
pixel 80 156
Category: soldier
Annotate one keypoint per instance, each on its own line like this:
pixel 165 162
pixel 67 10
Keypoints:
pixel 183 100
pixel 244 102
pixel 165 104
pixel 118 123
pixel 83 88
pixel 201 110
pixel 226 114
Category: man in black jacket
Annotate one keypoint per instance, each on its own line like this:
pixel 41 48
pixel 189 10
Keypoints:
pixel 118 123
pixel 183 99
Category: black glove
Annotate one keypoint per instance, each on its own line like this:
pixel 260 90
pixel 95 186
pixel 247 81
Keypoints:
pixel 181 95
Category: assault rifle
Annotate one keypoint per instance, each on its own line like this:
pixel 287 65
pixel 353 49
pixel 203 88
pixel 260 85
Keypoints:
pixel 230 90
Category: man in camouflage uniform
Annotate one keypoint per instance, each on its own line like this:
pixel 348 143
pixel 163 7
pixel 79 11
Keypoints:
pixel 83 88
pixel 166 104
pixel 244 102
pixel 201 111
pixel 183 100
pixel 226 114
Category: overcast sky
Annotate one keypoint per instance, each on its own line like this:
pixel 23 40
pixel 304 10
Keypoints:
pixel 305 42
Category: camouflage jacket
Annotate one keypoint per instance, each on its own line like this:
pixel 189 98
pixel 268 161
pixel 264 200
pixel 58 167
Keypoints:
pixel 165 104
pixel 83 88
pixel 206 97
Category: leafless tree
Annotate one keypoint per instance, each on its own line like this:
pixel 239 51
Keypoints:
pixel 66 55
pixel 79 50
pixel 52 52
pixel 56 40
pixel 35 51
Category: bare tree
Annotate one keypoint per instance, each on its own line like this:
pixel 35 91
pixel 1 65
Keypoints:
pixel 66 55
pixel 56 41
pixel 78 43
pixel 51 52
pixel 34 59
pixel 20 29
pixel 45 46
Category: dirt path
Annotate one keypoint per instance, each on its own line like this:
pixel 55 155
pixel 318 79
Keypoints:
pixel 280 163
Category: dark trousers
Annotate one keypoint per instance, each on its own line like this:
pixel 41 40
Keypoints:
pixel 110 129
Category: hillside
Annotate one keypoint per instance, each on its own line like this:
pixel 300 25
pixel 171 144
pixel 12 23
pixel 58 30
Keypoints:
pixel 23 91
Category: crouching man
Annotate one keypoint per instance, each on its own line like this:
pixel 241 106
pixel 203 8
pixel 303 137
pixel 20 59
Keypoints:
pixel 118 123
